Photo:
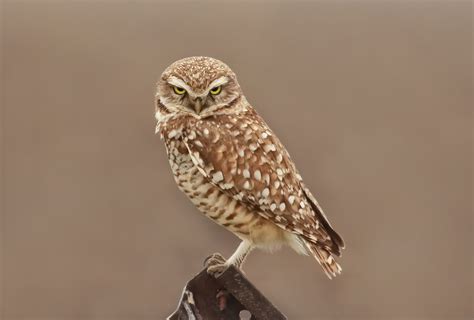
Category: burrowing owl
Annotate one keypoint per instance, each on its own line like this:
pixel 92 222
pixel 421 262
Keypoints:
pixel 233 167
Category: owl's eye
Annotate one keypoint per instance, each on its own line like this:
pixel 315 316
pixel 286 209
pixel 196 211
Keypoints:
pixel 179 90
pixel 216 90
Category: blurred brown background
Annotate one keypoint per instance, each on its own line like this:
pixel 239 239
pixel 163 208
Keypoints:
pixel 372 98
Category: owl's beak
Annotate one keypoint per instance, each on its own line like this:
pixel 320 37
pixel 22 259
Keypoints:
pixel 198 104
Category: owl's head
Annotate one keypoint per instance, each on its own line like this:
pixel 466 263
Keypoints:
pixel 199 86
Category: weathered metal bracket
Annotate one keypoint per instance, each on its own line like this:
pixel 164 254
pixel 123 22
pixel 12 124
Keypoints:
pixel 228 297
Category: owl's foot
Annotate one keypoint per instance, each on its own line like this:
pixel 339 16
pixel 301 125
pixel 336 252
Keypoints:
pixel 217 270
pixel 215 258
pixel 215 264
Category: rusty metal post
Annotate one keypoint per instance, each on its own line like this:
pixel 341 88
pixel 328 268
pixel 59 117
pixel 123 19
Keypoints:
pixel 228 297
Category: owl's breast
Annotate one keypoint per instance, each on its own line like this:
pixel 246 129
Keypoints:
pixel 209 199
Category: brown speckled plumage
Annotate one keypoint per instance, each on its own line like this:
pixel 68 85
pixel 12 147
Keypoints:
pixel 231 165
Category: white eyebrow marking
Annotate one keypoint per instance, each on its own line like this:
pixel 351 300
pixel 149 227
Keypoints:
pixel 218 82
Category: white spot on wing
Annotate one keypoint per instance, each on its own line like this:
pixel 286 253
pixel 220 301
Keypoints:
pixel 227 185
pixel 269 147
pixel 247 185
pixel 173 133
pixel 266 178
pixel 217 176
pixel 257 174
pixel 291 199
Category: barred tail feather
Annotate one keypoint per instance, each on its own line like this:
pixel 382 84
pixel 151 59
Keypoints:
pixel 325 259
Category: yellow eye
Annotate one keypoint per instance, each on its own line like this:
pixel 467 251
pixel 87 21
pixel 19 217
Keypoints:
pixel 216 90
pixel 179 90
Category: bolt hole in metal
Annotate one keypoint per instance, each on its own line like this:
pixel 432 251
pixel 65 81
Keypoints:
pixel 245 315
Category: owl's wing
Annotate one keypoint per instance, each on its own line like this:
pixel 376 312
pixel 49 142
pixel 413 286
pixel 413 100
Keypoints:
pixel 243 157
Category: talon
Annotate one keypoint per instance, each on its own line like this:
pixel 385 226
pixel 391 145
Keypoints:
pixel 213 259
pixel 217 270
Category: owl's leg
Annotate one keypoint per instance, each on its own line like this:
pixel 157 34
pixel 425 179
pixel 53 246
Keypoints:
pixel 216 264
pixel 238 258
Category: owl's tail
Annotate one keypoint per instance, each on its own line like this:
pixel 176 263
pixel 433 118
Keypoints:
pixel 325 259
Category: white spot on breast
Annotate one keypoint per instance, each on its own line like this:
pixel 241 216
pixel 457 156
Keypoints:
pixel 246 173
pixel 279 158
pixel 273 206
pixel 241 153
pixel 265 192
pixel 264 135
pixel 198 143
pixel 206 132
pixel 302 205
pixel 279 172
pixel 282 206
